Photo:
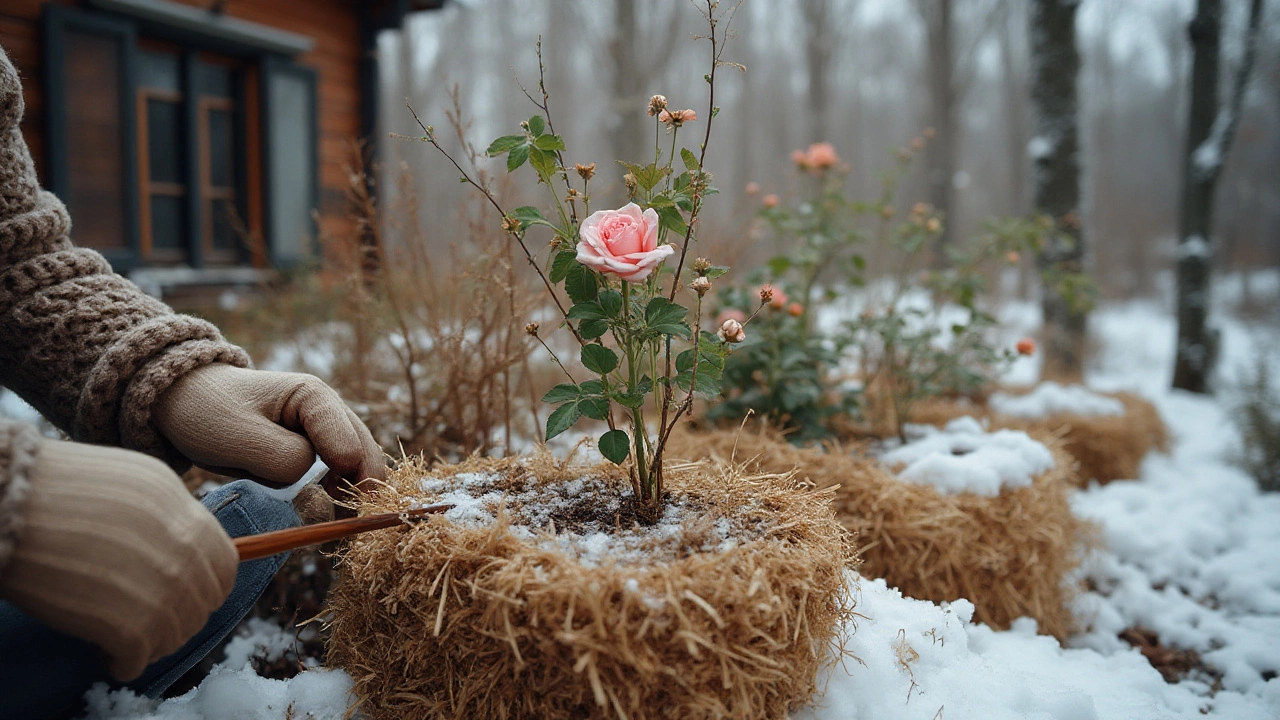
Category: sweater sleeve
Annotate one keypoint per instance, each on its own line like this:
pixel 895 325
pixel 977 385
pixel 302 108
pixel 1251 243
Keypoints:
pixel 83 345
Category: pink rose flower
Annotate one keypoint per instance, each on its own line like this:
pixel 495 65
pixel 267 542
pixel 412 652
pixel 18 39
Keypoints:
pixel 822 156
pixel 770 201
pixel 622 242
pixel 753 188
pixel 664 116
pixel 731 314
pixel 800 158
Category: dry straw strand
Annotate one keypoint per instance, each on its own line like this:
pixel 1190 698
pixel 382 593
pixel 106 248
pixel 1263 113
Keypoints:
pixel 1010 555
pixel 738 633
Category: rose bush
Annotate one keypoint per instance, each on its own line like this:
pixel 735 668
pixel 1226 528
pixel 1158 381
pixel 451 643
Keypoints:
pixel 622 242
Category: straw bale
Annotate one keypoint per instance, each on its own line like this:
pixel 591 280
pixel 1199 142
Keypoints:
pixel 1010 555
pixel 444 620
pixel 1108 447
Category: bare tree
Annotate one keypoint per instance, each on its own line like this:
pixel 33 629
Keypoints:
pixel 820 29
pixel 950 70
pixel 640 54
pixel 1055 64
pixel 1210 130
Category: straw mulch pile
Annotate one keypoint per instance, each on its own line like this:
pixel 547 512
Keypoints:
pixel 1108 447
pixel 1010 555
pixel 442 620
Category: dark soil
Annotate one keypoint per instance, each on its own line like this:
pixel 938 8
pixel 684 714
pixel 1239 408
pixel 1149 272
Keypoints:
pixel 1174 664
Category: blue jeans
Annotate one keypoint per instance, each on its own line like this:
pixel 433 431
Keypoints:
pixel 45 673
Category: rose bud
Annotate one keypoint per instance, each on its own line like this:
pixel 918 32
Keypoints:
pixel 766 294
pixel 731 332
pixel 586 172
pixel 700 285
pixel 1026 346
pixel 795 309
pixel 1012 257
pixel 753 188
pixel 532 329
pixel 657 104
pixel 769 201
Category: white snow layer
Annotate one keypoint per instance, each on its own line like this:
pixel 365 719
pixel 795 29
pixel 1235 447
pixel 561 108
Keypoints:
pixel 228 694
pixel 965 458
pixel 1193 553
pixel 1050 398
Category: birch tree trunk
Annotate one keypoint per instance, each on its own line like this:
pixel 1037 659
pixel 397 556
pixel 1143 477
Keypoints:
pixel 1210 131
pixel 1055 65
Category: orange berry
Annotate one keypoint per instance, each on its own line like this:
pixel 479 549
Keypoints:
pixel 1026 346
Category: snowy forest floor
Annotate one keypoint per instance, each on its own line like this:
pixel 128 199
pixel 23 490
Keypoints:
pixel 1189 574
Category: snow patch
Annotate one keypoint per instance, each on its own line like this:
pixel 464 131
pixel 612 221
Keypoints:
pixel 965 458
pixel 228 694
pixel 1049 398
pixel 537 512
pixel 1041 147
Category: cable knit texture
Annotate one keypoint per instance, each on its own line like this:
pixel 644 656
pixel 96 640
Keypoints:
pixel 83 345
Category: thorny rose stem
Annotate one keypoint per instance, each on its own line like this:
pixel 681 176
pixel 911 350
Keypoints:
pixel 430 136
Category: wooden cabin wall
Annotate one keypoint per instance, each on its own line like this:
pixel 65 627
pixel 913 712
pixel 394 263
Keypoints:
pixel 333 24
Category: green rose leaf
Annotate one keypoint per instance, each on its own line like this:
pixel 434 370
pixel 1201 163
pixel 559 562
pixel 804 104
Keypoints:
pixel 615 445
pixel 592 329
pixel 586 311
pixel 537 125
pixel 611 302
pixel 684 361
pixel 549 143
pixel 504 144
pixel 516 157
pixel 562 419
pixel 596 408
pixel 562 393
pixel 690 160
pixel 581 283
pixel 544 163
pixel 671 219
pixel 599 359
pixel 716 271
pixel 528 215
pixel 562 263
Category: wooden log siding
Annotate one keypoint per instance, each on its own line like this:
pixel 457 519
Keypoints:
pixel 333 24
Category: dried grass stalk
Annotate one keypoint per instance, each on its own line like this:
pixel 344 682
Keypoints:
pixel 1107 447
pixel 1010 555
pixel 441 621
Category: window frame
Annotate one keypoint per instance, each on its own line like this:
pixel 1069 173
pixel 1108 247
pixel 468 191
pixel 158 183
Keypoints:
pixel 252 122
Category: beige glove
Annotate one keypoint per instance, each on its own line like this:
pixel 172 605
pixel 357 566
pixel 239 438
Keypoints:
pixel 268 425
pixel 116 551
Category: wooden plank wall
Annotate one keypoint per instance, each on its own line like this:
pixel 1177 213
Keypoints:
pixel 332 23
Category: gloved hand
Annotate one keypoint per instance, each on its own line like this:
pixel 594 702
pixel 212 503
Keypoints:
pixel 114 550
pixel 268 426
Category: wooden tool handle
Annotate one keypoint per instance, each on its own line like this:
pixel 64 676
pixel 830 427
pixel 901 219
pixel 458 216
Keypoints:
pixel 253 547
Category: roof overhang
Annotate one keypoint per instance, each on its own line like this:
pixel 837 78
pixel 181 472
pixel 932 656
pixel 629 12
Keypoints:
pixel 234 31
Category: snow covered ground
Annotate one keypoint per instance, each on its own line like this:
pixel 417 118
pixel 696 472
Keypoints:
pixel 1193 556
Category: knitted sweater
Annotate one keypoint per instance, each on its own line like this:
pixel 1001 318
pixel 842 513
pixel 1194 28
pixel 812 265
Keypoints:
pixel 81 344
